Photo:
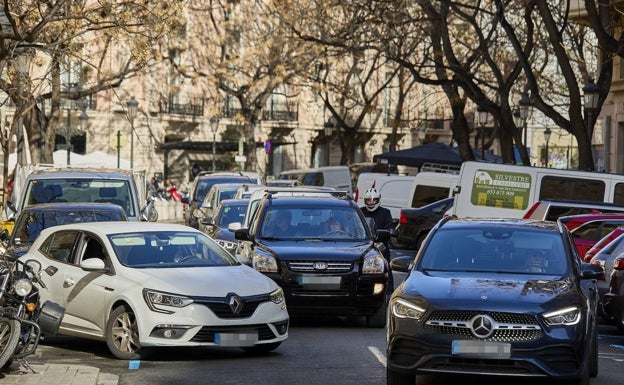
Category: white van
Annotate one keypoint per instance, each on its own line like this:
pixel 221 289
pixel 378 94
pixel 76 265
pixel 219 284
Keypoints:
pixel 508 191
pixel 337 177
pixel 433 183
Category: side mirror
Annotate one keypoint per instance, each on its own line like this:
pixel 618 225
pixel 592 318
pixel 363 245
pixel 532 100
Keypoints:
pixel 383 235
pixel 94 264
pixel 4 235
pixel 234 226
pixel 206 221
pixel 242 235
pixel 591 271
pixel 402 263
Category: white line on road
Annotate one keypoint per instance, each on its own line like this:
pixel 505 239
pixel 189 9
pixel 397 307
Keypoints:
pixel 378 355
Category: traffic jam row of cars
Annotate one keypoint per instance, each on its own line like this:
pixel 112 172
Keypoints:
pixel 482 296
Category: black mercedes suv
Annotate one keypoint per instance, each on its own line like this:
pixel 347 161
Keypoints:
pixel 323 253
pixel 494 297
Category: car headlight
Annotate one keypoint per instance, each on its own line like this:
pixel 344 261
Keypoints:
pixel 565 316
pixel 159 301
pixel 264 263
pixel 374 265
pixel 277 296
pixel 22 287
pixel 405 309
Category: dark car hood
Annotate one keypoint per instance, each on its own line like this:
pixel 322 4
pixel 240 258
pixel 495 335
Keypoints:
pixel 473 289
pixel 297 250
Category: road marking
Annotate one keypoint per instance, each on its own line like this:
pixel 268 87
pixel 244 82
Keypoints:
pixel 378 355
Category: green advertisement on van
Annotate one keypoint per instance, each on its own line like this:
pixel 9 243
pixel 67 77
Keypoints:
pixel 502 189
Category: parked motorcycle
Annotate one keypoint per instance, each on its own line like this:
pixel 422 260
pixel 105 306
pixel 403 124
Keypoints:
pixel 23 320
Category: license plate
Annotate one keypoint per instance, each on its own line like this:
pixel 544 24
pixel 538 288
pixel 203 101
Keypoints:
pixel 481 349
pixel 236 339
pixel 317 280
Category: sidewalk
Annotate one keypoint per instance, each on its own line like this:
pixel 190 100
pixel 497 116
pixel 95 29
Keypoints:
pixel 58 374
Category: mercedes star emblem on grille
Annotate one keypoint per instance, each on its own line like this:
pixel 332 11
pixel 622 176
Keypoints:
pixel 482 326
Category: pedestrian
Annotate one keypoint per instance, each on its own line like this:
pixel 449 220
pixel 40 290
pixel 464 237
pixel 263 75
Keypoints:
pixel 153 186
pixel 383 221
pixel 172 191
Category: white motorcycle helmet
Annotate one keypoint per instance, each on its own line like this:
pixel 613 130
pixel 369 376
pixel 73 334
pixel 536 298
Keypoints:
pixel 372 199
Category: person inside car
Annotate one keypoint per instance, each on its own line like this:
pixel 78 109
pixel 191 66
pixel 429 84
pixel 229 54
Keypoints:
pixel 280 226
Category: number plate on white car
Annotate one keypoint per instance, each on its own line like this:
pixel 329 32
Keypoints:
pixel 236 339
pixel 481 349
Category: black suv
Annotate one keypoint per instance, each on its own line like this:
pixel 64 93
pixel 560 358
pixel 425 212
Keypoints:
pixel 202 184
pixel 323 253
pixel 494 297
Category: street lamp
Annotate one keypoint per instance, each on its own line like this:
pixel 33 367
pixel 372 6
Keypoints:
pixel 525 111
pixel 133 106
pixel 214 126
pixel 482 115
pixel 22 64
pixel 547 133
pixel 591 96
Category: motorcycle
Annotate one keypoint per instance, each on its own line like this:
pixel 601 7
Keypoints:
pixel 23 320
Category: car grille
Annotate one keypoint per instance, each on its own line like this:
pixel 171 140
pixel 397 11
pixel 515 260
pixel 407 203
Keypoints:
pixel 512 327
pixel 332 267
pixel 221 307
pixel 207 333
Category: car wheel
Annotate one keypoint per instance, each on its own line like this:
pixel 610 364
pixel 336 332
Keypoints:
pixel 394 378
pixel 378 318
pixel 619 323
pixel 593 354
pixel 122 334
pixel 262 348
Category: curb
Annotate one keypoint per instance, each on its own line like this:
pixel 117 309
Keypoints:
pixel 58 374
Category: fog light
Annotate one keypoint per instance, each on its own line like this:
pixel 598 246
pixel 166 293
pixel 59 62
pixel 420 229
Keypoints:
pixel 378 288
pixel 170 332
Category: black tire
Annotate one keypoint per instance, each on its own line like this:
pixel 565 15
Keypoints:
pixel 262 348
pixel 593 355
pixel 122 334
pixel 152 214
pixel 378 318
pixel 396 244
pixel 395 378
pixel 9 337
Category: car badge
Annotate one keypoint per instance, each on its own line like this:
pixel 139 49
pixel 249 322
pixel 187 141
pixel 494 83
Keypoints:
pixel 320 265
pixel 482 326
pixel 236 303
pixel 484 297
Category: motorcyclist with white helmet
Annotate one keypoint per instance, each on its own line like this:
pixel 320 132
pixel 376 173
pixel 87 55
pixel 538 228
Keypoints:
pixel 383 220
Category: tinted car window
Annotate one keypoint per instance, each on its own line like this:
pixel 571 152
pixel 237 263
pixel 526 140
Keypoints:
pixel 491 250
pixel 31 222
pixel 570 189
pixel 59 245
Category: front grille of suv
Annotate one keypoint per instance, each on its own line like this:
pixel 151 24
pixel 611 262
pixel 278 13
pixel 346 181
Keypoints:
pixel 332 267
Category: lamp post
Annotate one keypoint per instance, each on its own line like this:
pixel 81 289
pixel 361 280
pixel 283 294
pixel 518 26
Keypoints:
pixel 547 133
pixel 482 116
pixel 525 111
pixel 133 106
pixel 214 126
pixel 328 130
pixel 591 96
pixel 22 64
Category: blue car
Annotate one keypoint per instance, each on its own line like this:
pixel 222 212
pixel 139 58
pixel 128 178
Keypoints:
pixel 494 297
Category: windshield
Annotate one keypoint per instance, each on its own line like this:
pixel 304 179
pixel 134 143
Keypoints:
pixel 495 249
pixel 81 190
pixel 29 224
pixel 336 223
pixel 166 249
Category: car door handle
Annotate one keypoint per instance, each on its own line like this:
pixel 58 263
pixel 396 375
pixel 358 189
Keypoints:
pixel 69 282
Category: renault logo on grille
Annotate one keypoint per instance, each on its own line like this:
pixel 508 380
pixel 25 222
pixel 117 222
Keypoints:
pixel 236 303
pixel 320 265
pixel 482 326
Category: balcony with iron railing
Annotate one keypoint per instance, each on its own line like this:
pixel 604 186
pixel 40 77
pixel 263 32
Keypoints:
pixel 172 106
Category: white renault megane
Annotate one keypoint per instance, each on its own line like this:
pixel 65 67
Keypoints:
pixel 141 285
